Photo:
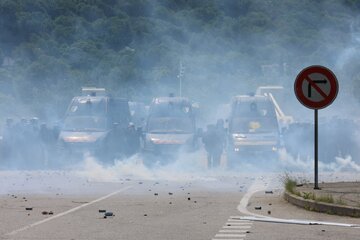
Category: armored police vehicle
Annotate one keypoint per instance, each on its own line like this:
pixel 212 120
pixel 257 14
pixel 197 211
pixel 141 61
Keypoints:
pixel 95 123
pixel 170 127
pixel 253 128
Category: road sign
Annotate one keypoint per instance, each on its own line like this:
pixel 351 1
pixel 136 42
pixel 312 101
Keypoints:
pixel 316 87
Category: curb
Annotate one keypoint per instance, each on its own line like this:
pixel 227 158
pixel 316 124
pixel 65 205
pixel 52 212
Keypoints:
pixel 322 207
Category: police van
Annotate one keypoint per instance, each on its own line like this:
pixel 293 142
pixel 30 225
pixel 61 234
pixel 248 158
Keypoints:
pixel 253 128
pixel 95 123
pixel 170 127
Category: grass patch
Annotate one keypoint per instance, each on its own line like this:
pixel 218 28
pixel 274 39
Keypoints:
pixel 309 195
pixel 290 185
pixel 340 202
pixel 325 198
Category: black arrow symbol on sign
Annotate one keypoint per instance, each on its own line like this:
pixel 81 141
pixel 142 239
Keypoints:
pixel 315 81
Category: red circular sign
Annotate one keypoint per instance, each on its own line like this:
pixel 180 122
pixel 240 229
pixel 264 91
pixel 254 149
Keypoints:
pixel 316 87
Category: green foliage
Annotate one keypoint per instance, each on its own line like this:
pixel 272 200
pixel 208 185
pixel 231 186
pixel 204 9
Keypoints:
pixel 290 184
pixel 309 195
pixel 325 198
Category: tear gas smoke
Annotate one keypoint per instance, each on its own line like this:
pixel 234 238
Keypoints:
pixel 294 163
pixel 221 59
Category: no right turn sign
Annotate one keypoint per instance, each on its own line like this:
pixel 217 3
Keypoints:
pixel 316 87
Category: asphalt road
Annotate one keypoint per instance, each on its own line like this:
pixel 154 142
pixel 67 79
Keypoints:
pixel 206 207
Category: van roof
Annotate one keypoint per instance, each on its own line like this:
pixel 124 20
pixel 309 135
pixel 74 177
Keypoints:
pixel 247 98
pixel 93 91
pixel 170 99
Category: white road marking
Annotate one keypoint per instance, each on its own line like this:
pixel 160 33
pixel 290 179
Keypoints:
pixel 255 187
pixel 239 223
pixel 237 227
pixel 230 235
pixel 238 220
pixel 233 231
pixel 66 212
pixel 229 238
pixel 301 222
pixel 258 186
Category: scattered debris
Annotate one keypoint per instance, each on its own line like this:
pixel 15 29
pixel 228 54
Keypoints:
pixel 258 208
pixel 102 210
pixel 109 214
pixel 29 209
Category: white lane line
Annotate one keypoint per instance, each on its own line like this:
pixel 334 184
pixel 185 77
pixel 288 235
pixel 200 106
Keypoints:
pixel 238 223
pixel 238 220
pixel 233 231
pixel 258 186
pixel 230 235
pixel 235 226
pixel 229 238
pixel 243 227
pixel 66 212
pixel 301 222
pixel 255 187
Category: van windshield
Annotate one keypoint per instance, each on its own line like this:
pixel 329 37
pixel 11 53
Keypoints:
pixel 253 109
pixel 253 117
pixel 85 123
pixel 87 107
pixel 171 109
pixel 170 125
pixel 254 125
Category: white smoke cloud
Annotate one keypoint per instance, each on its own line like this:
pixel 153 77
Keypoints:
pixel 187 166
pixel 341 164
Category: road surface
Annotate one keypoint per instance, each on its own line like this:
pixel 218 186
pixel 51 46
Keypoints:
pixel 205 207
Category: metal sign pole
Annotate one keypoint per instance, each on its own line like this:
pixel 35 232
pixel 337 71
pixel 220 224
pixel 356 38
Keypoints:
pixel 316 182
pixel 326 86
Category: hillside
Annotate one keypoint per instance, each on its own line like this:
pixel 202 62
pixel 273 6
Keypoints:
pixel 50 48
